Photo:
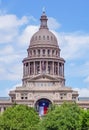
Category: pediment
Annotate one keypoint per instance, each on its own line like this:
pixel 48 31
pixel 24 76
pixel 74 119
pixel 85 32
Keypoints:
pixel 43 78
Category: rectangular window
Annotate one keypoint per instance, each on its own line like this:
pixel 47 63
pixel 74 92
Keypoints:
pixel 24 96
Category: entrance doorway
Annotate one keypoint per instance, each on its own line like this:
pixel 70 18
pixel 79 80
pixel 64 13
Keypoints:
pixel 42 106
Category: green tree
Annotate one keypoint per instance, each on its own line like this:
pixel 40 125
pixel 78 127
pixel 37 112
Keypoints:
pixel 19 117
pixel 85 122
pixel 65 117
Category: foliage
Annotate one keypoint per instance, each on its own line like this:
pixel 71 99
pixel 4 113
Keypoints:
pixel 19 117
pixel 85 122
pixel 66 117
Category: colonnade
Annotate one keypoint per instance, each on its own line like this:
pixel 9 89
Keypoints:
pixel 39 67
pixel 44 52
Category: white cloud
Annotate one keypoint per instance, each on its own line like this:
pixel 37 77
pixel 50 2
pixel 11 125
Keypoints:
pixel 53 24
pixel 12 31
pixel 74 45
pixel 9 27
pixel 83 92
pixel 24 38
pixel 9 21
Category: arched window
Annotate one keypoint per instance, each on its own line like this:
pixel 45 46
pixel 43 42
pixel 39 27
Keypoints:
pixel 43 52
pixel 56 53
pixel 51 38
pixel 48 52
pixel 39 37
pixel 52 52
pixel 43 37
pixel 30 52
pixel 47 37
pixel 34 52
pixel 26 64
pixel 38 52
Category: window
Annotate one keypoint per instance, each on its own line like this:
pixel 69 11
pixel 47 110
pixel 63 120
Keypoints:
pixel 74 98
pixel 30 53
pixel 34 52
pixel 39 37
pixel 63 95
pixel 48 52
pixel 26 64
pixel 43 52
pixel 43 37
pixel 47 37
pixel 52 52
pixel 24 96
pixel 51 38
pixel 56 53
pixel 38 52
pixel 31 68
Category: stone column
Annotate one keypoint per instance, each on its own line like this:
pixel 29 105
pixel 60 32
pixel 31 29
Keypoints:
pixel 46 52
pixel 40 68
pixel 58 68
pixel 29 68
pixel 53 67
pixel 40 52
pixel 63 70
pixel 34 67
pixel 25 69
pixel 46 67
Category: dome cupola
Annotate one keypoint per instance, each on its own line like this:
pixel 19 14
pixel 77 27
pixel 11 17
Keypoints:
pixel 43 20
pixel 43 36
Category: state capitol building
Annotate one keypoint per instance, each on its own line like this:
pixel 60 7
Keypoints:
pixel 43 81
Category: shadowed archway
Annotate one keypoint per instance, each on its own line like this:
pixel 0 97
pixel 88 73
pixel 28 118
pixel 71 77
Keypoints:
pixel 42 106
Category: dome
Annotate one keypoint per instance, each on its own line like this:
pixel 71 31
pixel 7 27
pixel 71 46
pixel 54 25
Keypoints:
pixel 43 36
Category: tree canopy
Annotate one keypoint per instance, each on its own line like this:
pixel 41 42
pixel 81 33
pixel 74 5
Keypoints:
pixel 19 117
pixel 66 117
pixel 85 121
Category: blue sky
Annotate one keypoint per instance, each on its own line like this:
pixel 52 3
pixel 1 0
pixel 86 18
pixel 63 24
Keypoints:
pixel 68 20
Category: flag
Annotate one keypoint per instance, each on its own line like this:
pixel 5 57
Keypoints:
pixel 43 107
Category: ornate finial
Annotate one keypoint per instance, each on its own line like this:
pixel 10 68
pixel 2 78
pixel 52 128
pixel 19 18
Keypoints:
pixel 43 20
pixel 43 10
